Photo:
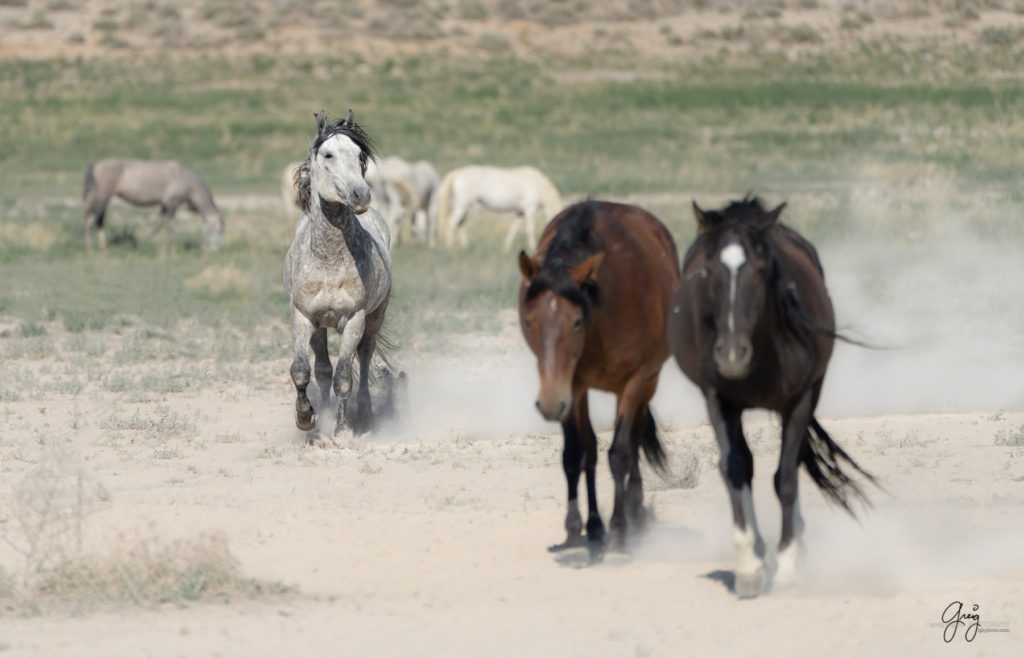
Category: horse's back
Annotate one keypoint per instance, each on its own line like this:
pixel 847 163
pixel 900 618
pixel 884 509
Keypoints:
pixel 634 281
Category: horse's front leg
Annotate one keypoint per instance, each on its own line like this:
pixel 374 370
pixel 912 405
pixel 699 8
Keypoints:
pixel 573 457
pixel 737 466
pixel 302 331
pixel 794 434
pixel 351 334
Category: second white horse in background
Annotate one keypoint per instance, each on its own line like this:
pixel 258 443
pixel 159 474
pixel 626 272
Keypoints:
pixel 523 191
pixel 402 192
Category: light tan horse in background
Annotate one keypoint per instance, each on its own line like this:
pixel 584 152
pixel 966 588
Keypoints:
pixel 524 192
pixel 164 183
pixel 402 192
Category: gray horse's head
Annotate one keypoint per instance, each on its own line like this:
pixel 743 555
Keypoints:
pixel 336 164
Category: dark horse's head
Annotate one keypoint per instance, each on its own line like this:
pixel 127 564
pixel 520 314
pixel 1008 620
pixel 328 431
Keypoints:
pixel 339 166
pixel 739 276
pixel 555 306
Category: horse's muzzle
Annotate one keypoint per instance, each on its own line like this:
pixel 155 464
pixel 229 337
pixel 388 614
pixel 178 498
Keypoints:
pixel 732 356
pixel 557 410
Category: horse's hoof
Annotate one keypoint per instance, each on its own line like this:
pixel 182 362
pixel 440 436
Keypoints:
pixel 751 585
pixel 572 541
pixel 305 422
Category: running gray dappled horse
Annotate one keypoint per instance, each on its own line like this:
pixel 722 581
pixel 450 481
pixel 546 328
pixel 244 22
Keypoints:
pixel 164 183
pixel 337 272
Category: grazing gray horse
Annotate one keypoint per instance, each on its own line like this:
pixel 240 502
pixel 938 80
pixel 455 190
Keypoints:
pixel 166 183
pixel 337 272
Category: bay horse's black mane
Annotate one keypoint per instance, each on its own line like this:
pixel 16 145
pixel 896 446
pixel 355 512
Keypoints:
pixel 570 246
pixel 761 227
pixel 347 127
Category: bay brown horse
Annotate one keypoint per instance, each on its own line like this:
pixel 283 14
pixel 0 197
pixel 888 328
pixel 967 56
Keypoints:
pixel 592 307
pixel 752 326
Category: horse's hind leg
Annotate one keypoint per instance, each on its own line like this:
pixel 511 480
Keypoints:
pixel 737 467
pixel 322 364
pixel 646 432
pixel 302 331
pixel 794 435
pixel 621 456
pixel 94 216
pixel 363 422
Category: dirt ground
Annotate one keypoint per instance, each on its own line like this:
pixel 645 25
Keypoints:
pixel 429 537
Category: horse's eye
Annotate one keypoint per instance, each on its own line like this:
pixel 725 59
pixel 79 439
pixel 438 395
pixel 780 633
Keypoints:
pixel 709 321
pixel 527 323
pixel 578 324
pixel 328 156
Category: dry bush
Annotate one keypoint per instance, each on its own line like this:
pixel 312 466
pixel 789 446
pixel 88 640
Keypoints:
pixel 220 281
pixel 46 517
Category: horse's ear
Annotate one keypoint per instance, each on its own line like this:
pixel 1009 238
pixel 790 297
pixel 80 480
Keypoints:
pixel 587 269
pixel 773 216
pixel 702 218
pixel 321 122
pixel 528 267
pixel 350 119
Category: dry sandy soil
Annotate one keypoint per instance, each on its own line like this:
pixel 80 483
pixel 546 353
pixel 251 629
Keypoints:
pixel 429 537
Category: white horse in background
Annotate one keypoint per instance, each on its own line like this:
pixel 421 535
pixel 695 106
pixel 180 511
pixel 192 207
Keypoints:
pixel 402 192
pixel 523 191
pixel 337 273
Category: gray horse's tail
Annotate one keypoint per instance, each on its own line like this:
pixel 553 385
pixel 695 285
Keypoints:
pixel 89 186
pixel 823 459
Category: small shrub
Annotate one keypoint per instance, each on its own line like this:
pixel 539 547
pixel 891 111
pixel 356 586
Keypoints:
pixel 1001 36
pixel 1011 437
pixel 472 10
pixel 31 329
pixel 802 34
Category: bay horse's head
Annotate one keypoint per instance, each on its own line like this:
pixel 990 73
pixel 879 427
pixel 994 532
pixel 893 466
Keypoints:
pixel 554 311
pixel 336 164
pixel 737 275
pixel 553 316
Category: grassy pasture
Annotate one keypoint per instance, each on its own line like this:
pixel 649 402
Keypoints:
pixel 857 155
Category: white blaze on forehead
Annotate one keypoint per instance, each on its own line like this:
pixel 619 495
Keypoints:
pixel 733 256
pixel 554 304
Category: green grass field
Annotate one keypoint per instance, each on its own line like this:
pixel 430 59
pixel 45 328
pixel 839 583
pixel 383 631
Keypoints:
pixel 879 145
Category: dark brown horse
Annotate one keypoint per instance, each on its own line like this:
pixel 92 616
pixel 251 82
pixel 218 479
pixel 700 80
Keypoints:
pixel 592 307
pixel 752 326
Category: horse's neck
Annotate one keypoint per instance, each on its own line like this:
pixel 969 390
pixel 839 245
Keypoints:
pixel 334 229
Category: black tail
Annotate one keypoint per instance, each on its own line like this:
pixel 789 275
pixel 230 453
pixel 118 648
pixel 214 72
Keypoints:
pixel 90 183
pixel 824 460
pixel 651 445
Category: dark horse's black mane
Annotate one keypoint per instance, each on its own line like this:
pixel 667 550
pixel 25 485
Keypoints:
pixel 350 129
pixel 570 246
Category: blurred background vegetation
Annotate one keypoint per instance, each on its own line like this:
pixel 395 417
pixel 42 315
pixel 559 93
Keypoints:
pixel 879 122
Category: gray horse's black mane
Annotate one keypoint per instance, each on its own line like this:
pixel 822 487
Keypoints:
pixel 571 245
pixel 325 130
